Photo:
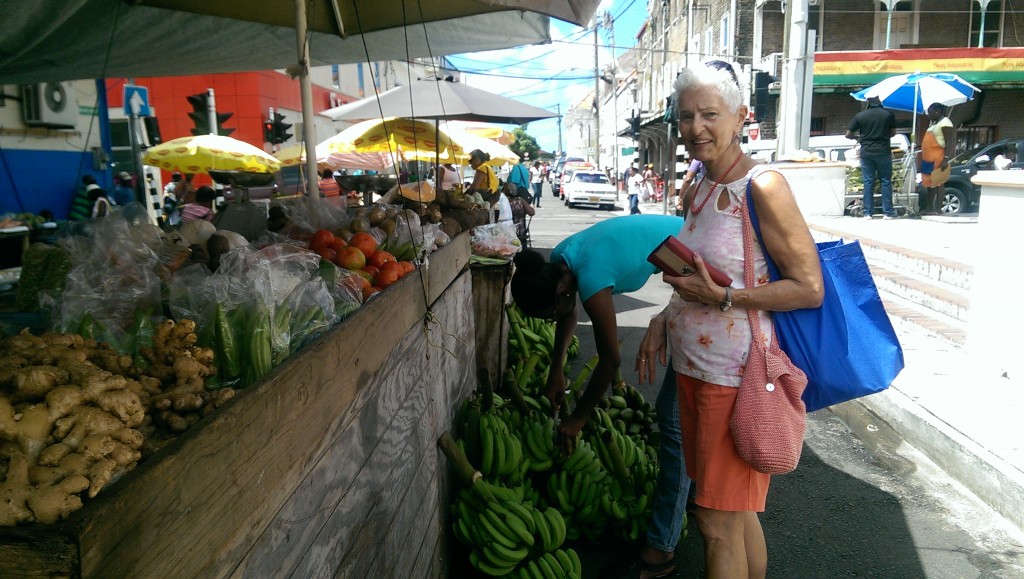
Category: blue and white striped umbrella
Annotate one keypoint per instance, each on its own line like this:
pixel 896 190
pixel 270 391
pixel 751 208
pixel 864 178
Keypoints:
pixel 915 92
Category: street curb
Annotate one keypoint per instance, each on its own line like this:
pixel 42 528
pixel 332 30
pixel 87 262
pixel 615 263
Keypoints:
pixel 989 477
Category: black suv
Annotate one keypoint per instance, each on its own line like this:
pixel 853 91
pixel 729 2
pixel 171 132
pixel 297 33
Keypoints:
pixel 961 193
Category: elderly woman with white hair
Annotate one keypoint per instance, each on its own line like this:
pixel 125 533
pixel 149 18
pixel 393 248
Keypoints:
pixel 704 328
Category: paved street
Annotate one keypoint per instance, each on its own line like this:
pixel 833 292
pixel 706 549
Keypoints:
pixel 863 502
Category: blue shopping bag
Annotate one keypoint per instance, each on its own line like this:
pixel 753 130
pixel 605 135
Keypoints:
pixel 847 346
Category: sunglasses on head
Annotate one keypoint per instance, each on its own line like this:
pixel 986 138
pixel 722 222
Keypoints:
pixel 722 65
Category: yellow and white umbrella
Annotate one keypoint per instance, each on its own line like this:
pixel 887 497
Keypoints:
pixel 390 135
pixel 202 153
pixel 494 133
pixel 500 154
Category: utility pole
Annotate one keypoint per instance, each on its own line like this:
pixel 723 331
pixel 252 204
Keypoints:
pixel 609 23
pixel 561 151
pixel 597 101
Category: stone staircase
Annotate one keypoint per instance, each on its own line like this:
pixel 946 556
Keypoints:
pixel 916 288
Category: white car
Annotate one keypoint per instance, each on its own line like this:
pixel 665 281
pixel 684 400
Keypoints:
pixel 590 188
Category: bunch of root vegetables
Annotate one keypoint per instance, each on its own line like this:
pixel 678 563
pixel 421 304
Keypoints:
pixel 75 414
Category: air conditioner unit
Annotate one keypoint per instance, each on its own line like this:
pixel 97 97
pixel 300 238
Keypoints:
pixel 49 104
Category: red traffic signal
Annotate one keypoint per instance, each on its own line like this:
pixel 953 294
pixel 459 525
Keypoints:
pixel 268 131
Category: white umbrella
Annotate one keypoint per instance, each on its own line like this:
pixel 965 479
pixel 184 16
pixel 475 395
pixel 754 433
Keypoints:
pixel 441 99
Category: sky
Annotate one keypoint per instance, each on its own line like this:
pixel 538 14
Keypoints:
pixel 557 75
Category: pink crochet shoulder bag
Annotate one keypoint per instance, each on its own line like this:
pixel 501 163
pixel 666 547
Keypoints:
pixel 769 418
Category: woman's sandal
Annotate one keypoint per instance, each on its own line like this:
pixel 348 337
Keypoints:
pixel 656 570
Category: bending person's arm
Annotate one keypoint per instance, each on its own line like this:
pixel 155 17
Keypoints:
pixel 601 311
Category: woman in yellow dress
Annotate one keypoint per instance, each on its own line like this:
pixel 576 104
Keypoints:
pixel 937 148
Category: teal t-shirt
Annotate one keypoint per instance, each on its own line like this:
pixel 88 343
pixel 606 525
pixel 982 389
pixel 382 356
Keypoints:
pixel 613 253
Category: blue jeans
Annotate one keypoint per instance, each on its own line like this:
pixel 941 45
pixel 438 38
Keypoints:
pixel 880 167
pixel 634 204
pixel 537 188
pixel 669 508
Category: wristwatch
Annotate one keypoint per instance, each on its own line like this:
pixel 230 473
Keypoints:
pixel 726 303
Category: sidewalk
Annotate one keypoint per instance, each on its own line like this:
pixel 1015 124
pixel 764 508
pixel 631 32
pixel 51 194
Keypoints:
pixel 968 425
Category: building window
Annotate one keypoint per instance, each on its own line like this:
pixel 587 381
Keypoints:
pixel 725 37
pixel 817 126
pixel 900 28
pixel 992 17
pixel 361 87
pixel 709 41
pixel 695 46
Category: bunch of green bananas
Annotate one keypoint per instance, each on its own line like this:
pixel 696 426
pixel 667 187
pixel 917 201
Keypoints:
pixel 509 537
pixel 537 432
pixel 628 410
pixel 531 343
pixel 577 490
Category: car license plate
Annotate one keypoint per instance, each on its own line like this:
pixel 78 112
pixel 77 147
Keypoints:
pixel 595 199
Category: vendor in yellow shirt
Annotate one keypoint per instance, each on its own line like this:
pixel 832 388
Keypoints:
pixel 485 182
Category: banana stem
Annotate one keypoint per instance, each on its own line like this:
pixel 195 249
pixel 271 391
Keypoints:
pixel 515 393
pixel 464 471
pixel 515 323
pixel 486 389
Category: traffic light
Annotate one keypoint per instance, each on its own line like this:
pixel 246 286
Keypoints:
pixel 152 130
pixel 634 124
pixel 221 130
pixel 280 133
pixel 200 115
pixel 268 131
pixel 761 81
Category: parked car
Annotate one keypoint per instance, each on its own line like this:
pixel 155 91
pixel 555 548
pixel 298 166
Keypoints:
pixel 558 170
pixel 590 187
pixel 568 171
pixel 961 193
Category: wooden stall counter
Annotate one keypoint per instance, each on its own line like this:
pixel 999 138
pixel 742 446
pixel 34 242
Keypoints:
pixel 328 468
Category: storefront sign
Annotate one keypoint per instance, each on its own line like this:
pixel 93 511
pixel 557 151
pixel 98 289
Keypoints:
pixel 975 65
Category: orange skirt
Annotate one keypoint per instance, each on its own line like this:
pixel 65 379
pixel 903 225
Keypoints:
pixel 724 481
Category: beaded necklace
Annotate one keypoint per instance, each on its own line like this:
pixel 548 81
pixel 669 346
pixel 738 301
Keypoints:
pixel 697 209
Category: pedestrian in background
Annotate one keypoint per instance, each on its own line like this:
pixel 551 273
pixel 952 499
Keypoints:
pixel 937 148
pixel 123 193
pixel 634 184
pixel 873 127
pixel 202 208
pixel 328 185
pixel 100 202
pixel 537 182
pixel 81 203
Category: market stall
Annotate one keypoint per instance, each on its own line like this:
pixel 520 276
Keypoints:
pixel 328 466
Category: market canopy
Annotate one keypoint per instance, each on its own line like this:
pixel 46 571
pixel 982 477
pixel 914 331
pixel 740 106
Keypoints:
pixel 434 98
pixel 204 153
pixel 500 154
pixel 51 40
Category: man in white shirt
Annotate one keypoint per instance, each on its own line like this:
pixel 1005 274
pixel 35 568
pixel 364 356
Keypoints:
pixel 537 182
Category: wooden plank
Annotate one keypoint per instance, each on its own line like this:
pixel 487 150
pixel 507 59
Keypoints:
pixel 490 294
pixel 429 560
pixel 444 265
pixel 408 529
pixel 231 476
pixel 296 525
pixel 332 544
pixel 39 551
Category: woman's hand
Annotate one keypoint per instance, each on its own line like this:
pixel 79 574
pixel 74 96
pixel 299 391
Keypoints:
pixel 652 348
pixel 555 391
pixel 696 287
pixel 567 434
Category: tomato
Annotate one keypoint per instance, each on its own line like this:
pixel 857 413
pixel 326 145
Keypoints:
pixel 365 242
pixel 380 258
pixel 350 258
pixel 387 277
pixel 320 239
pixel 372 270
pixel 392 267
pixel 327 253
pixel 369 291
pixel 337 244
pixel 407 266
